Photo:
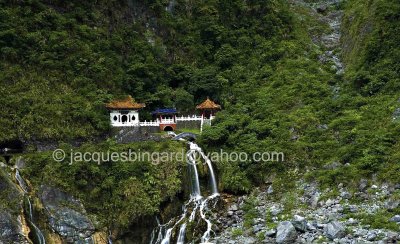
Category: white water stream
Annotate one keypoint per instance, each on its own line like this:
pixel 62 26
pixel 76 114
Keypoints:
pixel 196 206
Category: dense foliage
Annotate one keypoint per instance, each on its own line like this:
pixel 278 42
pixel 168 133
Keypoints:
pixel 117 190
pixel 318 118
pixel 62 60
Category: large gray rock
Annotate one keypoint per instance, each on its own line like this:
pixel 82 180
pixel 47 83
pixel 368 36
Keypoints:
pixel 363 185
pixel 334 230
pixel 395 218
pixel 286 233
pixel 300 223
pixel 10 229
pixel 66 215
pixel 392 204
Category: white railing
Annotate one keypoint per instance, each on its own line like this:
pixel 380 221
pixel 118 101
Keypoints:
pixel 189 118
pixel 167 121
pixel 149 123
pixel 180 118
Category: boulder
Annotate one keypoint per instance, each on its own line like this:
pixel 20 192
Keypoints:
pixel 371 236
pixel 300 223
pixel 392 204
pixel 329 202
pixel 233 207
pixel 345 195
pixel 68 220
pixel 286 233
pixel 363 185
pixel 322 8
pixel 395 218
pixel 270 233
pixel 334 230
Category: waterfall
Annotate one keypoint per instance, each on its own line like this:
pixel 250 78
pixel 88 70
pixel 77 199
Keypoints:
pixel 167 237
pixel 21 181
pixel 38 235
pixel 194 178
pixel 196 204
pixel 109 240
pixel 195 148
pixel 181 236
pixel 36 231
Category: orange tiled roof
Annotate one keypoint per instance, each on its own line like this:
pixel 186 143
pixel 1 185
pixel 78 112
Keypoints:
pixel 208 104
pixel 127 103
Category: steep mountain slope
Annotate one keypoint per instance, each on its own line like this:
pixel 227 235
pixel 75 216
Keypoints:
pixel 315 113
pixel 62 61
pixel 317 80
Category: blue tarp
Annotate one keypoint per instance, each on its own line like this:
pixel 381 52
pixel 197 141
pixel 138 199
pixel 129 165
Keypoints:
pixel 165 111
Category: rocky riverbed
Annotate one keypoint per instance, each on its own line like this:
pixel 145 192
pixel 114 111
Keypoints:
pixel 315 216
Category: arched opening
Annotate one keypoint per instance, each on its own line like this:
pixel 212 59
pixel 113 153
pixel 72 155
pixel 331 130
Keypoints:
pixel 168 128
pixel 7 148
pixel 11 146
pixel 133 117
pixel 124 118
pixel 115 118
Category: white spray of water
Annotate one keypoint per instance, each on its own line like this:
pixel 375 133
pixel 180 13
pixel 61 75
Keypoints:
pixel 196 203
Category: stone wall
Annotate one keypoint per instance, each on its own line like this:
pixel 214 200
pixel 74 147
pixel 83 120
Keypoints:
pixel 134 134
pixel 181 125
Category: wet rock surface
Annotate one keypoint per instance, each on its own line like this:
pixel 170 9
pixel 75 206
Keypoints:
pixel 10 209
pixel 10 228
pixel 66 215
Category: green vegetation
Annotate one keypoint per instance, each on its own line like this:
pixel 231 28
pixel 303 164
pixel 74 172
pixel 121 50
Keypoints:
pixel 62 60
pixel 378 220
pixel 250 211
pixel 294 107
pixel 117 192
pixel 10 197
pixel 237 232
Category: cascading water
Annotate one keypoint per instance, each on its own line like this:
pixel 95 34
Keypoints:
pixel 181 236
pixel 39 238
pixel 37 233
pixel 195 148
pixel 196 204
pixel 21 181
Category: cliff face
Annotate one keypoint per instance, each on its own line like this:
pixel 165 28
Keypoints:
pixel 13 228
pixel 371 46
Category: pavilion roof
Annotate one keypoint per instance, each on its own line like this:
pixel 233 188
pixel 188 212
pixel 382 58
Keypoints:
pixel 126 103
pixel 208 104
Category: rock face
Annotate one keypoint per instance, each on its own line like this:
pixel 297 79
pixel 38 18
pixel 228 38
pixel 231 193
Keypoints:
pixel 286 233
pixel 334 230
pixel 66 215
pixel 10 205
pixel 10 229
